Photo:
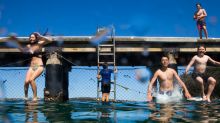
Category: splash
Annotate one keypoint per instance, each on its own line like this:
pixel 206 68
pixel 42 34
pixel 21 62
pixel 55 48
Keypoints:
pixel 175 96
pixel 3 31
pixel 59 41
pixel 143 75
pixel 11 44
pixel 213 20
pixel 140 25
pixel 11 41
pixel 102 35
pixel 145 53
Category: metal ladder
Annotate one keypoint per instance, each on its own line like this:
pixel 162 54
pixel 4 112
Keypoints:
pixel 106 54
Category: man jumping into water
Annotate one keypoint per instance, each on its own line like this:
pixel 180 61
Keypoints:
pixel 199 73
pixel 165 77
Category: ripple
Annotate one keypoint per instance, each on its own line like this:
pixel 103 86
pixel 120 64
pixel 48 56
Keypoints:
pixel 85 111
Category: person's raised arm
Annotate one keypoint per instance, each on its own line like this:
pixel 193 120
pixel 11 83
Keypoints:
pixel 182 84
pixel 190 64
pixel 213 61
pixel 149 90
pixel 43 40
pixel 14 39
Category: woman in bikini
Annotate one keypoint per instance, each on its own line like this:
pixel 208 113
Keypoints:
pixel 36 42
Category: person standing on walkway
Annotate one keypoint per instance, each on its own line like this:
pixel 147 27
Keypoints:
pixel 200 16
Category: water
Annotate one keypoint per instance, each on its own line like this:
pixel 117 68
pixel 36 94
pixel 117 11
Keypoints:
pixel 91 111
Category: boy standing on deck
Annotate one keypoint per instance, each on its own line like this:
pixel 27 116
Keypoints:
pixel 199 16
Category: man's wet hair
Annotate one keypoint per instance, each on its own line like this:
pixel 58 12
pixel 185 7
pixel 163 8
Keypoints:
pixel 165 55
pixel 105 65
pixel 198 4
pixel 201 45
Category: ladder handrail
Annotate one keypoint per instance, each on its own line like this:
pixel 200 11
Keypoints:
pixel 114 64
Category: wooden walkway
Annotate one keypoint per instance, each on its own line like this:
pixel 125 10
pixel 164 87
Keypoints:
pixel 127 44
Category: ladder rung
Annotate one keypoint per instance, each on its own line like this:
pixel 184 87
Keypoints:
pixel 106 45
pixel 106 62
pixel 112 82
pixel 110 91
pixel 106 54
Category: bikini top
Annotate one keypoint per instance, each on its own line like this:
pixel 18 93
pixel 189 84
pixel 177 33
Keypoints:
pixel 36 53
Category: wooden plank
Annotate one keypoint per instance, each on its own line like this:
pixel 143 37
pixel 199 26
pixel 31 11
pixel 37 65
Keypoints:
pixel 79 49
pixel 139 49
pixel 126 38
pixel 130 44
pixel 124 49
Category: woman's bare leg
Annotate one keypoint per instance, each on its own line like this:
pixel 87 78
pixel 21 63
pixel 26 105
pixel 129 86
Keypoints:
pixel 35 74
pixel 26 83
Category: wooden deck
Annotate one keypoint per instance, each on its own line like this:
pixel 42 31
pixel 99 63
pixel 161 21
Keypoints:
pixel 130 50
pixel 126 44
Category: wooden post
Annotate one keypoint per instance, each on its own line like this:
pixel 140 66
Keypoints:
pixel 56 86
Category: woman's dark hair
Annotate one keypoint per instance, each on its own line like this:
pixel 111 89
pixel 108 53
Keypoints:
pixel 37 36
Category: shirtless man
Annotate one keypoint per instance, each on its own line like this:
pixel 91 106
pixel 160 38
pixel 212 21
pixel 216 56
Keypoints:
pixel 166 76
pixel 199 73
pixel 199 16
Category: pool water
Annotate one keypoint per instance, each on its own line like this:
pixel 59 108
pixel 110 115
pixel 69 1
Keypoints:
pixel 16 111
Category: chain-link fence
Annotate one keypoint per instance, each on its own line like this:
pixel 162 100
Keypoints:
pixel 12 82
pixel 82 83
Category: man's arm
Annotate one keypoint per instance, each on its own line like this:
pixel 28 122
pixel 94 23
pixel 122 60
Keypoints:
pixel 204 14
pixel 190 64
pixel 195 16
pixel 213 61
pixel 187 94
pixel 149 90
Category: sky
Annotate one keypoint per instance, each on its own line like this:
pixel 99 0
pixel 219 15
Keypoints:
pixel 165 18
